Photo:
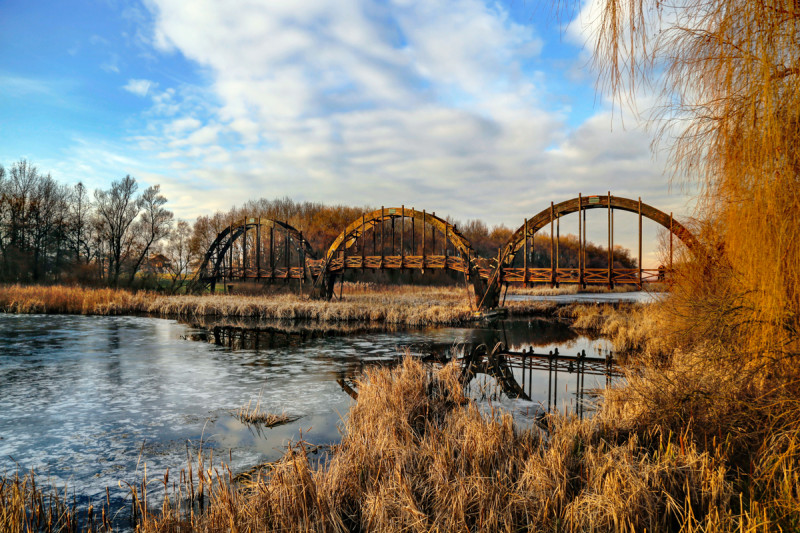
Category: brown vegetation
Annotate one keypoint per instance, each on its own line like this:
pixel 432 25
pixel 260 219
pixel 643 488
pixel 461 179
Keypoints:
pixel 417 456
pixel 411 306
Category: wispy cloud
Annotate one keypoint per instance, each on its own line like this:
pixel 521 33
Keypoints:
pixel 139 87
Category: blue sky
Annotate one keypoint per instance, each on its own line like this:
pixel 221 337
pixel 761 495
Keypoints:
pixel 477 109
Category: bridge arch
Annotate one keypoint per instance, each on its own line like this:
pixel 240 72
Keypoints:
pixel 256 248
pixel 504 273
pixel 399 238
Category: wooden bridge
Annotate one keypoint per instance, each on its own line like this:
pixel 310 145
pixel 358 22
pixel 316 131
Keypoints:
pixel 398 238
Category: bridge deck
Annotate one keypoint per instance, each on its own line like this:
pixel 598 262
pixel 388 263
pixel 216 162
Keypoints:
pixel 591 276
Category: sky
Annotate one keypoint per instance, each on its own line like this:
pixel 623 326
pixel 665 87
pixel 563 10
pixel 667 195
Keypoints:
pixel 463 107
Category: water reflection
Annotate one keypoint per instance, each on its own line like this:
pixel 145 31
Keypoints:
pixel 88 401
pixel 528 359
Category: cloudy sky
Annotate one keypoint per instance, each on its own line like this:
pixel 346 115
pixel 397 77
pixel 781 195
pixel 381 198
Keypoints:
pixel 471 108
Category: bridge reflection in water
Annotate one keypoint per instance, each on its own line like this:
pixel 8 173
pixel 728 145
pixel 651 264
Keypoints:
pixel 545 368
pixel 513 373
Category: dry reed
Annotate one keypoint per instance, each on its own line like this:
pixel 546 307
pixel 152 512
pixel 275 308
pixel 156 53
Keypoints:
pixel 410 306
pixel 254 416
pixel 417 456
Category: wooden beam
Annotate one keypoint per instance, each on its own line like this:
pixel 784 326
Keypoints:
pixel 258 249
pixel 640 243
pixel 580 241
pixel 402 234
pixel 609 241
pixel 525 260
pixel 552 247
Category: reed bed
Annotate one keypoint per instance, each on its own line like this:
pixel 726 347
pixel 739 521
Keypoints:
pixel 673 451
pixel 410 306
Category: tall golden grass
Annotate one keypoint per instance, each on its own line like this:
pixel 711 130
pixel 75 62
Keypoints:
pixel 412 306
pixel 728 74
pixel 417 456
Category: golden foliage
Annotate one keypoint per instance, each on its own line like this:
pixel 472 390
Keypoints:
pixel 728 72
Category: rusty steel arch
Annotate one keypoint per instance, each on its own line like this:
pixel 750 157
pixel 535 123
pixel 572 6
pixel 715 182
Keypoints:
pixel 577 205
pixel 229 257
pixel 342 253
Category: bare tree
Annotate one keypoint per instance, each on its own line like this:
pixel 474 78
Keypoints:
pixel 117 209
pixel 179 252
pixel 79 225
pixel 153 225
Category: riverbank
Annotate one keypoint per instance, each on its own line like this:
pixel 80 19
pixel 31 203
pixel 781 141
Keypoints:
pixel 406 305
pixel 690 441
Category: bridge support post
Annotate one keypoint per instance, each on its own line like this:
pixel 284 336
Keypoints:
pixel 610 245
pixel 244 249
pixel 258 250
pixel 423 240
pixel 402 236
pixel 525 259
pixel 363 244
pixel 272 253
pixel 558 246
pixel 552 248
pixel 580 242
pixel 302 259
pixel 640 243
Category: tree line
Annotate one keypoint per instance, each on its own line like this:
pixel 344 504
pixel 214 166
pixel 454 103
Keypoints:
pixel 124 236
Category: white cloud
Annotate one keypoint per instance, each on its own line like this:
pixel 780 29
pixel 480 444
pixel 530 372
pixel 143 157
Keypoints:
pixel 139 87
pixel 421 102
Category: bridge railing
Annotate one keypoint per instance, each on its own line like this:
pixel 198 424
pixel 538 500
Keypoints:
pixel 238 273
pixel 397 262
pixel 591 276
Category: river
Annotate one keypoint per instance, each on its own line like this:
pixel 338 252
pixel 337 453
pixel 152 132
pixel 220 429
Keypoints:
pixel 88 401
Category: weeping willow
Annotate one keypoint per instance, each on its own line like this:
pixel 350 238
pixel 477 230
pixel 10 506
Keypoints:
pixel 727 75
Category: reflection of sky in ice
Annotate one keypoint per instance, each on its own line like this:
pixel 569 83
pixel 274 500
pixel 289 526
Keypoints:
pixel 81 398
